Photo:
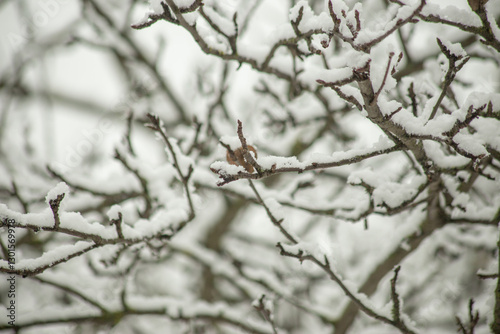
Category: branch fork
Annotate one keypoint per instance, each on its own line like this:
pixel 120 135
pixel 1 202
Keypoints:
pixel 54 206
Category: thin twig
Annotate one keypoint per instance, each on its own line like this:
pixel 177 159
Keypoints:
pixel 184 178
pixel 54 206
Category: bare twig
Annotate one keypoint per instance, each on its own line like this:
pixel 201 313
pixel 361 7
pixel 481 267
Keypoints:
pixel 473 320
pixel 54 206
pixel 184 177
pixel 266 312
pixel 148 201
pixel 325 266
pixel 455 64
pixel 118 224
pixel 396 307
pixel 377 93
pixel 22 201
pixel 276 222
pixel 72 291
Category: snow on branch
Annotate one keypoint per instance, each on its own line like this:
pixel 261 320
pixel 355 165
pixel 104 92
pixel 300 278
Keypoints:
pixel 295 248
pixel 267 166
pixel 173 309
pixel 28 267
pixel 90 235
